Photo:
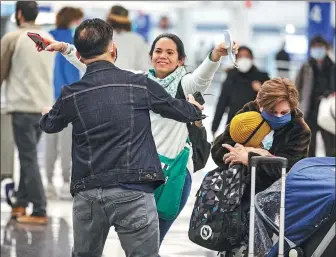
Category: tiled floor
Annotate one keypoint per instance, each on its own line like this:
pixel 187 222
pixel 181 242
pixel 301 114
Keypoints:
pixel 55 239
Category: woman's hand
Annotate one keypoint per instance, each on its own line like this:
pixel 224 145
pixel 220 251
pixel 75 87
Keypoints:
pixel 57 46
pixel 256 85
pixel 49 41
pixel 260 151
pixel 191 99
pixel 53 46
pixel 198 123
pixel 237 154
pixel 46 110
pixel 221 50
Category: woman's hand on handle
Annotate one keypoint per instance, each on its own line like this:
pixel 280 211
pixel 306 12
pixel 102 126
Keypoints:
pixel 221 50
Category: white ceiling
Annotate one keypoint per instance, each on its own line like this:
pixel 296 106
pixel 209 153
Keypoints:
pixel 261 12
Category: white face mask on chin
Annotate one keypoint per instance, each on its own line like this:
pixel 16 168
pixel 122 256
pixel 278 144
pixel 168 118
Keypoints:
pixel 244 64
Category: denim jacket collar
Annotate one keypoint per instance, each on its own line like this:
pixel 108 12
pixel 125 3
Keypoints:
pixel 100 65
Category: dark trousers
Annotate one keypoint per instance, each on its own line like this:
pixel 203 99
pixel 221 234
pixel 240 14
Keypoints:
pixel 328 138
pixel 26 136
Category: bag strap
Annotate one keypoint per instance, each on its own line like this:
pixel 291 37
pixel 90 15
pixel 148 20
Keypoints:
pixel 188 141
pixel 179 93
pixel 254 132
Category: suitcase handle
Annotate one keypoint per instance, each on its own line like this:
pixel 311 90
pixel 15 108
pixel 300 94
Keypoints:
pixel 255 160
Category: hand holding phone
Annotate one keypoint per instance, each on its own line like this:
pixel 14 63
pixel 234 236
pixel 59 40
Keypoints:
pixel 40 42
pixel 199 98
pixel 192 100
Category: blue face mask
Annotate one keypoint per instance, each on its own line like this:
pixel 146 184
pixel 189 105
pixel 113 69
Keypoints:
pixel 318 53
pixel 276 122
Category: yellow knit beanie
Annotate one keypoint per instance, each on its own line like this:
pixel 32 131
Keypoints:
pixel 243 125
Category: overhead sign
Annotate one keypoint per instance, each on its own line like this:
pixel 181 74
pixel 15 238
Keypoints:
pixel 142 25
pixel 319 22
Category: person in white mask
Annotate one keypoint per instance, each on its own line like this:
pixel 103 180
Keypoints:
pixel 315 81
pixel 240 87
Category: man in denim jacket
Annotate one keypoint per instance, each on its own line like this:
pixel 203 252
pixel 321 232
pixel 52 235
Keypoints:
pixel 115 163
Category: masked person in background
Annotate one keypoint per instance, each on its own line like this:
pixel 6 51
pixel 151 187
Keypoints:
pixel 315 81
pixel 240 87
pixel 277 101
pixel 67 19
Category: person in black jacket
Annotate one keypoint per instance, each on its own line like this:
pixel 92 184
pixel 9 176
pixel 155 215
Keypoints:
pixel 315 81
pixel 240 87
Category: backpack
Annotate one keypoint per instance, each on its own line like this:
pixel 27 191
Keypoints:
pixel 218 221
pixel 198 138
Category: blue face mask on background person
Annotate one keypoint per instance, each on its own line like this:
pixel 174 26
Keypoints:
pixel 276 122
pixel 318 53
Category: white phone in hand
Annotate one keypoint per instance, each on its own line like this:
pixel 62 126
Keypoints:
pixel 228 40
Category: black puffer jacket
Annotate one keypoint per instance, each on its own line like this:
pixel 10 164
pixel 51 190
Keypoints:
pixel 236 92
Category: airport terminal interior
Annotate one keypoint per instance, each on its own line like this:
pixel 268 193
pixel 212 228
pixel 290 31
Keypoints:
pixel 266 27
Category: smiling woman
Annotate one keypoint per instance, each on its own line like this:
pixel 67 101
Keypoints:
pixel 167 53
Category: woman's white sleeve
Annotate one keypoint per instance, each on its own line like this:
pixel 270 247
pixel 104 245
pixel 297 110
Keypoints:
pixel 70 56
pixel 200 79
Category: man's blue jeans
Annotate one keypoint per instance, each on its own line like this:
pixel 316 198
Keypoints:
pixel 132 213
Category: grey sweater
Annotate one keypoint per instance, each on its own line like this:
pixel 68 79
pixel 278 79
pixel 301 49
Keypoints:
pixel 28 73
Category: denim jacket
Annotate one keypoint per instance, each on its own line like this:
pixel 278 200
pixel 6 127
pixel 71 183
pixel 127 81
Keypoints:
pixel 112 142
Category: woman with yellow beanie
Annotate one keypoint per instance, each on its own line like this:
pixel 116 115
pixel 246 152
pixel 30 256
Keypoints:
pixel 249 129
pixel 277 104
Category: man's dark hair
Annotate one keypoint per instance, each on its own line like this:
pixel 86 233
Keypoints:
pixel 29 9
pixel 318 40
pixel 92 37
